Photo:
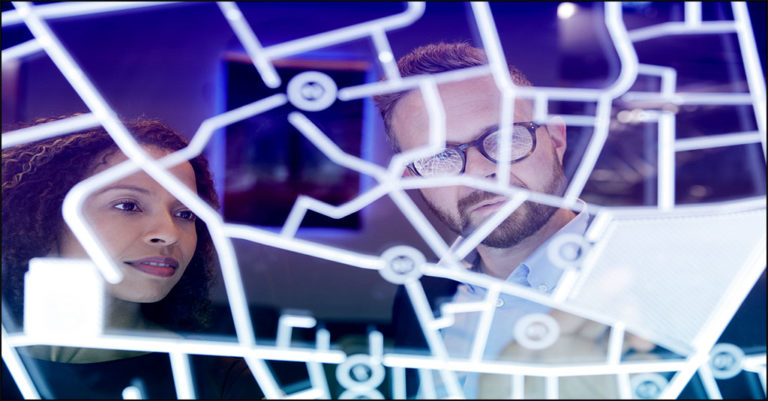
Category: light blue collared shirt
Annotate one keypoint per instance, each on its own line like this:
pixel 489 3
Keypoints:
pixel 537 272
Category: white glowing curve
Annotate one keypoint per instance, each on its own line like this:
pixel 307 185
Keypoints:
pixel 214 346
pixel 536 369
pixel 76 8
pixel 413 12
pixel 411 82
pixel 49 130
pixel 182 375
pixel 304 203
pixel 21 50
pixel 16 368
pixel 484 326
pixel 309 248
pixel 250 42
pixel 680 28
pixel 759 121
pixel 434 339
pixel 628 74
pixel 753 67
pixel 331 150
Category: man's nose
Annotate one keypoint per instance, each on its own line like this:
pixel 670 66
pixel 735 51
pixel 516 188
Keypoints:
pixel 478 165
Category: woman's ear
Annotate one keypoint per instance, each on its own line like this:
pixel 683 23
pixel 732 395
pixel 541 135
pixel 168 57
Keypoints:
pixel 556 131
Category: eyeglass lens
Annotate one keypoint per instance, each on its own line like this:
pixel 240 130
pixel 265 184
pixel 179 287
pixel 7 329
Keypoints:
pixel 451 161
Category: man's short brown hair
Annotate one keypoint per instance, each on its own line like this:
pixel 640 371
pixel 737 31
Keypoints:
pixel 430 59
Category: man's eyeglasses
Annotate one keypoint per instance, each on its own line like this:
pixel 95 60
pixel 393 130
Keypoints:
pixel 453 160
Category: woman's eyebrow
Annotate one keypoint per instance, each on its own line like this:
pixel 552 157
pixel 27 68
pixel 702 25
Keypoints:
pixel 126 187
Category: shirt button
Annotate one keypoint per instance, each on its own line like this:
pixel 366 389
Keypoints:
pixel 499 302
pixel 543 288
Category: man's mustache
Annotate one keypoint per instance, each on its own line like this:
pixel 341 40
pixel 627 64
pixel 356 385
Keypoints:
pixel 476 197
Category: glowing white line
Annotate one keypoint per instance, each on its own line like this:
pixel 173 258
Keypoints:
pixel 693 14
pixel 330 149
pixel 413 12
pixel 681 98
pixel 749 272
pixel 666 160
pixel 668 78
pixel 714 141
pixel 615 341
pixel 628 74
pixel 322 340
pixel 708 380
pixel 491 186
pixel 24 49
pixel 518 387
pixel 411 82
pixel 552 387
pixel 250 42
pixel 16 368
pixel 436 114
pixel 264 377
pixel 304 247
pixel 484 325
pixel 480 233
pixel 385 51
pixel 376 345
pixel 625 387
pixel 318 380
pixel 534 369
pixel 185 346
pixel 423 227
pixel 507 114
pixel 182 376
pixel 680 28
pixel 49 130
pixel 434 340
pixel 492 45
pixel 304 203
pixel 285 325
pixel 398 382
pixel 752 66
pixel 426 385
pixel 210 125
pixel 684 374
pixel 75 8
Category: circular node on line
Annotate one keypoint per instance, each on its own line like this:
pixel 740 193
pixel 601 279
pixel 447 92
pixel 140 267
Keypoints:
pixel 401 264
pixel 360 373
pixel 312 91
pixel 648 385
pixel 536 331
pixel 567 251
pixel 725 360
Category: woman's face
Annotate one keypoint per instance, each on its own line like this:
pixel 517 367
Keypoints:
pixel 150 235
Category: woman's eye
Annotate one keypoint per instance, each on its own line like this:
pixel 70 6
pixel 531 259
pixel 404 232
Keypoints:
pixel 186 215
pixel 127 206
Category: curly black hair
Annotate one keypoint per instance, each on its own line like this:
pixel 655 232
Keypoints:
pixel 37 177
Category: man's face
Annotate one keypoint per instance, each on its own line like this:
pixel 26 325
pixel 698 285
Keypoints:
pixel 472 107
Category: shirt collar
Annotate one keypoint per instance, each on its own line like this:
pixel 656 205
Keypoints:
pixel 536 270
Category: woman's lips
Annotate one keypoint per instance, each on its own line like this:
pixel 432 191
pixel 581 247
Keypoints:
pixel 156 266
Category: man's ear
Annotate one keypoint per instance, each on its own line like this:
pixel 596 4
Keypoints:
pixel 556 130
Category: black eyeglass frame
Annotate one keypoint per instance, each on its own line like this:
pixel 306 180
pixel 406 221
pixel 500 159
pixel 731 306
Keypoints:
pixel 462 148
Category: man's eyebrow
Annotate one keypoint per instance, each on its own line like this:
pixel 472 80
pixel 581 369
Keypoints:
pixel 126 187
pixel 483 131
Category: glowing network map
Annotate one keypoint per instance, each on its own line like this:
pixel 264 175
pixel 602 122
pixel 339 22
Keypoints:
pixel 601 281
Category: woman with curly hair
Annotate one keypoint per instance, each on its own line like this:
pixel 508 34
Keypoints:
pixel 164 252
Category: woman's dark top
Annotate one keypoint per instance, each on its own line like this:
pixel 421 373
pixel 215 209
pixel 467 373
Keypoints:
pixel 215 377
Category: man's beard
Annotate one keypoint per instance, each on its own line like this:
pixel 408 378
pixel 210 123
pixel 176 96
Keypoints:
pixel 525 221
